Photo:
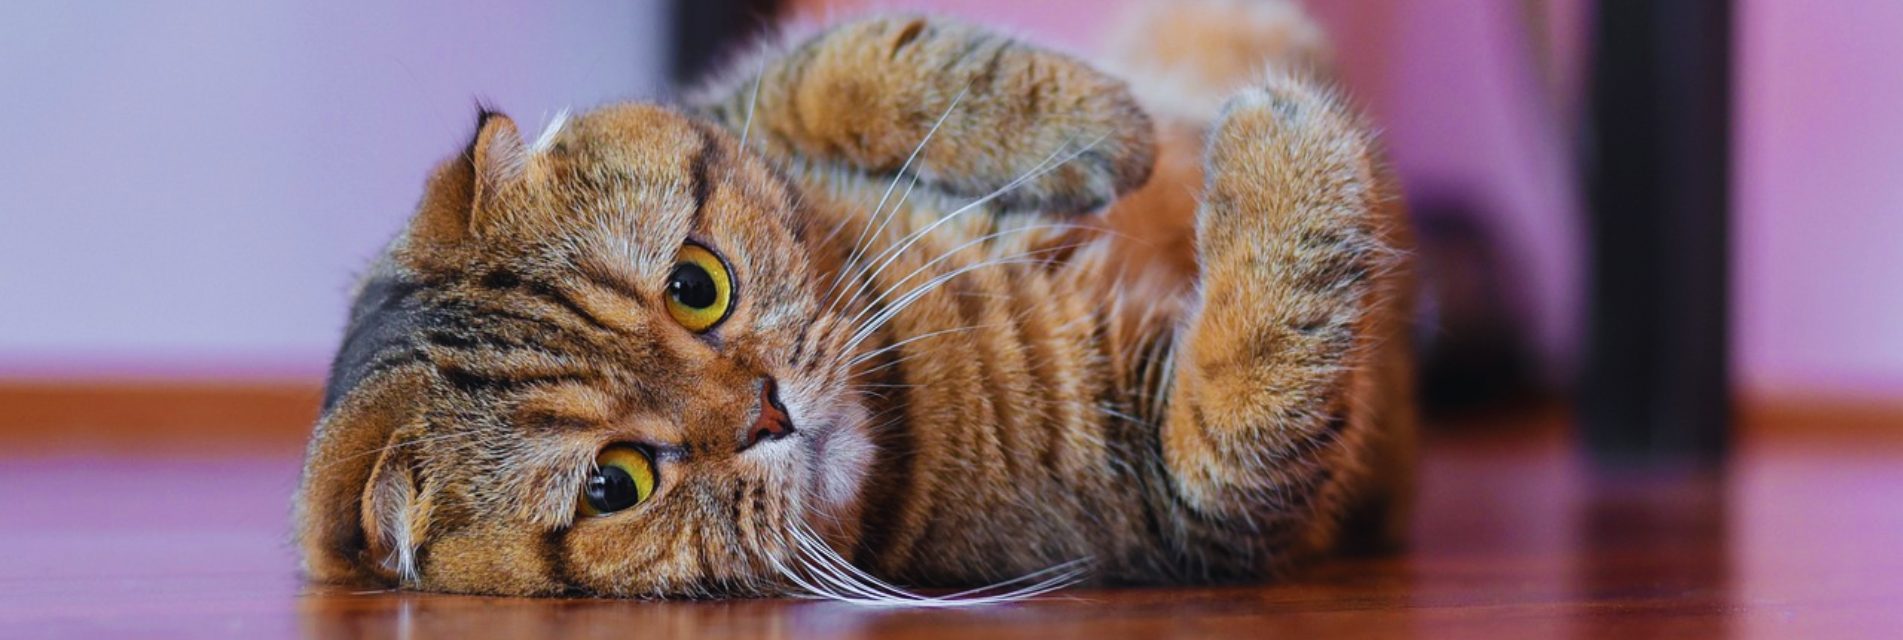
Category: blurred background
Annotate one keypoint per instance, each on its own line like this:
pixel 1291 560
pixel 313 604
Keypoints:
pixel 188 189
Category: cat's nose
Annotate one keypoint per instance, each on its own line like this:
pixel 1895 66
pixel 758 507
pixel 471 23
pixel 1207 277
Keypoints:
pixel 773 422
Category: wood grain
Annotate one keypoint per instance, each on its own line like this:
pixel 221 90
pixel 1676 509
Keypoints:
pixel 1516 537
pixel 144 416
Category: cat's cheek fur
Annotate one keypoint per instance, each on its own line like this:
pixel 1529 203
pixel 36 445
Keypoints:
pixel 838 452
pixel 843 458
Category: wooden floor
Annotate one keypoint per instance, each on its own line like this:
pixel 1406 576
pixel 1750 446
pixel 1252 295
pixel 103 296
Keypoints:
pixel 1801 537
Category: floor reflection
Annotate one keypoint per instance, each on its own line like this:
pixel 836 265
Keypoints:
pixel 1515 538
pixel 1655 544
pixel 333 613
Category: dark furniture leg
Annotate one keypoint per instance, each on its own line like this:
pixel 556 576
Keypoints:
pixel 1656 382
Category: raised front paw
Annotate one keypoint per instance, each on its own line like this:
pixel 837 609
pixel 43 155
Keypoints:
pixel 974 114
pixel 1286 153
pixel 1291 128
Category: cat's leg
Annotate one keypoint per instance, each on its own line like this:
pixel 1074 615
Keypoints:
pixel 980 111
pixel 1292 367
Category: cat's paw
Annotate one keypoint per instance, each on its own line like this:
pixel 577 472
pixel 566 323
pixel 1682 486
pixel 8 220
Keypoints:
pixel 1292 172
pixel 1287 123
pixel 974 114
pixel 1288 147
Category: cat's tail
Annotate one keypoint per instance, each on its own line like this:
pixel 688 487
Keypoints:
pixel 1184 58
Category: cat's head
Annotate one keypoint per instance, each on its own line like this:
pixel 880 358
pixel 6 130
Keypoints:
pixel 599 363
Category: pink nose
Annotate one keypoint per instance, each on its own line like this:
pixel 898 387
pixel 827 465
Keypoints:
pixel 773 422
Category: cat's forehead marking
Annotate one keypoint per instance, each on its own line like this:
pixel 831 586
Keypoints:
pixel 663 200
pixel 706 153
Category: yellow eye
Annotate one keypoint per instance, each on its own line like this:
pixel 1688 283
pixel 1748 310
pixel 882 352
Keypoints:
pixel 623 477
pixel 699 290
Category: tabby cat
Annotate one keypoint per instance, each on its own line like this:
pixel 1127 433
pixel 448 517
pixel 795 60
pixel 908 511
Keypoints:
pixel 907 303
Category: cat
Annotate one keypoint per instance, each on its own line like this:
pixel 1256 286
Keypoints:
pixel 856 321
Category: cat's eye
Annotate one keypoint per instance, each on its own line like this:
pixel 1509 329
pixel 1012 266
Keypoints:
pixel 699 289
pixel 623 477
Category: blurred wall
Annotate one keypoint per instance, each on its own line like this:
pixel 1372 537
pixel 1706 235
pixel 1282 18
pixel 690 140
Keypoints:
pixel 1819 193
pixel 187 188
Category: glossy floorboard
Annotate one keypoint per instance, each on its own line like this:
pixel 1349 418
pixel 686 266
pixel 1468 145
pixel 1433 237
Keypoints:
pixel 1801 537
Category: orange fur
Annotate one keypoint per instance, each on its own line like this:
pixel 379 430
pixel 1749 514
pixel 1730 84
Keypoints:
pixel 983 381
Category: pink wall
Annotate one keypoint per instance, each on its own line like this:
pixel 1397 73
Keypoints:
pixel 186 188
pixel 1819 289
pixel 1460 96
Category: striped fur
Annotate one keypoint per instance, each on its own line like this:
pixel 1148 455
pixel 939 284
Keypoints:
pixel 986 382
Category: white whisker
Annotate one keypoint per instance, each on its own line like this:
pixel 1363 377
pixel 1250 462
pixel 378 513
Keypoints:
pixel 1048 164
pixel 882 350
pixel 747 128
pixel 838 278
pixel 942 257
pixel 885 315
pixel 834 578
pixel 379 450
pixel 858 244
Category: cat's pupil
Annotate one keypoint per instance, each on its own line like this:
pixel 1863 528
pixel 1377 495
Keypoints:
pixel 691 285
pixel 611 489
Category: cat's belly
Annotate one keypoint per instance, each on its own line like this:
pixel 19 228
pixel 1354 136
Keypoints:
pixel 1015 442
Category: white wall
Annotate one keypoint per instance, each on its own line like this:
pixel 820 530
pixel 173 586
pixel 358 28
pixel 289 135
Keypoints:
pixel 188 187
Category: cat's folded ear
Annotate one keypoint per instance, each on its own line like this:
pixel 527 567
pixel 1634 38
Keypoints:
pixel 469 193
pixel 394 516
pixel 345 510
